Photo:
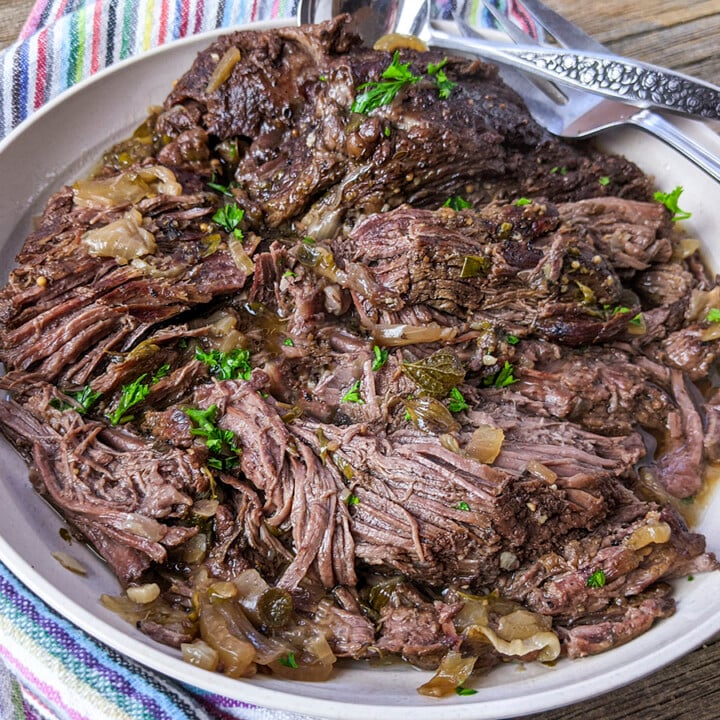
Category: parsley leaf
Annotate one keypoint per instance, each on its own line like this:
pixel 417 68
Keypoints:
pixel 462 506
pixel 375 94
pixel 670 201
pixel 444 85
pixel 131 395
pixel 604 180
pixel 562 170
pixel 713 315
pixel 229 219
pixel 512 339
pixel 227 366
pixel 353 500
pixel 289 342
pixel 457 203
pixel 353 394
pixel 85 399
pixel 502 378
pixel 221 443
pixel 457 401
pixel 381 356
pixel 596 580
pixel 224 189
pixel 289 661
pixel 522 201
pixel 460 690
pixel 161 372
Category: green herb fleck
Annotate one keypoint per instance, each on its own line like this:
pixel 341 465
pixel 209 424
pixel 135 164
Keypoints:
pixel 221 443
pixel 523 201
pixel 224 189
pixel 289 342
pixel 562 170
pixel 308 240
pixel 353 500
pixel 407 417
pixel 387 131
pixel 323 78
pixel 375 94
pixel 381 356
pixel 502 378
pixel 460 690
pixel 636 319
pixel 713 315
pixel 227 366
pixel 161 372
pixel 596 580
pixel 289 661
pixel 462 506
pixel 289 274
pixel 229 219
pixel 512 339
pixel 457 401
pixel 604 180
pixel 691 578
pixel 457 203
pixel 670 201
pixel 130 396
pixel 353 394
pixel 85 399
pixel 444 85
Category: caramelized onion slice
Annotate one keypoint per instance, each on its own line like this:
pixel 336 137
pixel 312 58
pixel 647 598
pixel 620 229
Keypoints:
pixel 124 239
pixel 453 671
pixel 485 444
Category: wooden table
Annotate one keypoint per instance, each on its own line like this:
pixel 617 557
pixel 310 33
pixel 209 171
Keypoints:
pixel 685 36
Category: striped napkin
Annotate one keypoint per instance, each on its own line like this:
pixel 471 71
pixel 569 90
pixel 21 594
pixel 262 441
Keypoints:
pixel 49 669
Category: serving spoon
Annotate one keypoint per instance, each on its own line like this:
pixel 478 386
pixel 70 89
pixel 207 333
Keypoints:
pixel 639 84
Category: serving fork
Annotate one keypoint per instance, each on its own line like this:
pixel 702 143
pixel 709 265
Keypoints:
pixel 569 112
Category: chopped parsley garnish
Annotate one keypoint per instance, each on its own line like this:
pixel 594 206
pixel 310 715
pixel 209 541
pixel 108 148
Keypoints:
pixel 387 131
pixel 353 394
pixel 670 201
pixel 85 399
pixel 596 580
pixel 221 443
pixel 444 85
pixel 562 170
pixel 229 219
pixel 457 203
pixel 224 189
pixel 407 416
pixel 381 356
pixel 502 378
pixel 161 372
pixel 604 180
pixel 130 396
pixel 323 78
pixel 375 94
pixel 462 506
pixel 289 274
pixel 308 240
pixel 457 401
pixel 512 339
pixel 289 342
pixel 713 315
pixel 353 500
pixel 636 319
pixel 523 201
pixel 227 366
pixel 460 690
pixel 289 661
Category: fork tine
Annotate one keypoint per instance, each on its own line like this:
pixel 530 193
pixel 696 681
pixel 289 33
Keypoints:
pixel 517 35
pixel 565 32
pixel 511 29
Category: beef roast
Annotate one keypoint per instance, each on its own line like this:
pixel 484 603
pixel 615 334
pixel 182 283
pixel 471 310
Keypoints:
pixel 349 384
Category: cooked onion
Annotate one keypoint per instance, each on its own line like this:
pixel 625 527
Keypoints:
pixel 128 187
pixel 396 41
pixel 123 239
pixel 395 335
pixel 544 641
pixel 69 563
pixel 657 533
pixel 543 472
pixel 240 256
pixel 485 444
pixel 453 671
pixel 223 69
pixel 237 656
pixel 200 654
pixel 143 594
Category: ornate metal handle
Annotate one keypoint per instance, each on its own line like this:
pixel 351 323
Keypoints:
pixel 633 82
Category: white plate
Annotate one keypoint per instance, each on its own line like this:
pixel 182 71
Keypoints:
pixel 55 147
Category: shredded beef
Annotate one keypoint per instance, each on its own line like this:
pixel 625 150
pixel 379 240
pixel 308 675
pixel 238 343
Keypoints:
pixel 330 415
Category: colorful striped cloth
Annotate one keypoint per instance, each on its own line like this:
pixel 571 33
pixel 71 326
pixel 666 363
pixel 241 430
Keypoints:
pixel 49 669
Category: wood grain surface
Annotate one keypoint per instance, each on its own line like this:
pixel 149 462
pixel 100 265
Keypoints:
pixel 684 35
